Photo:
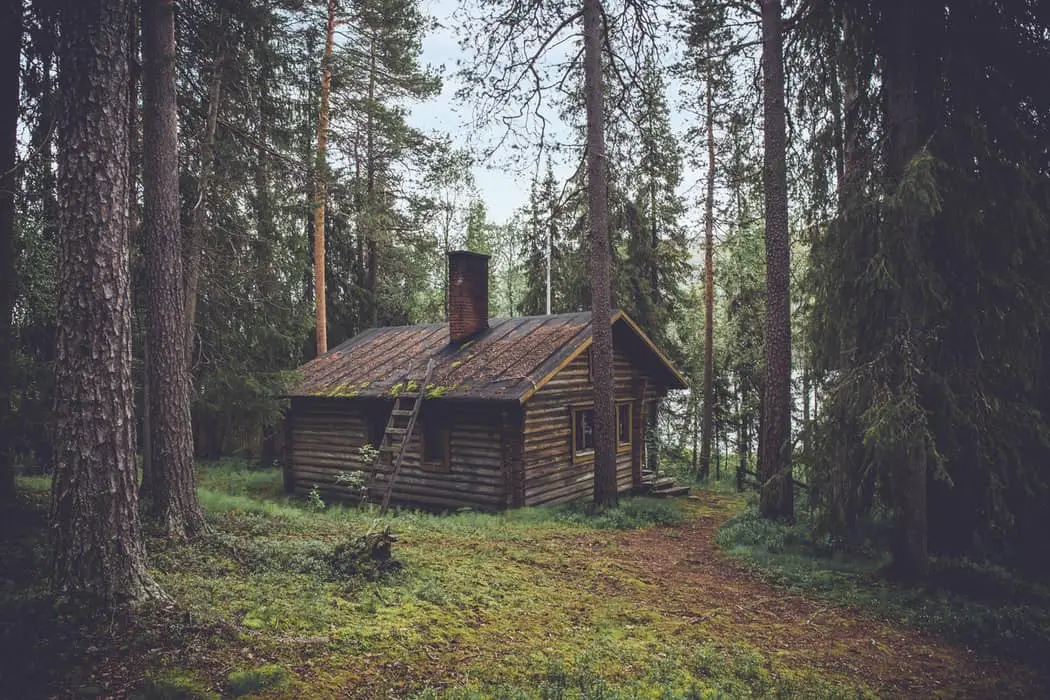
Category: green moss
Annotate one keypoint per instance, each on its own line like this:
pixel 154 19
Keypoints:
pixel 175 685
pixel 268 677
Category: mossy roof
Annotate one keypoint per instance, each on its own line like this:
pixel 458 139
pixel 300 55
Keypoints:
pixel 508 361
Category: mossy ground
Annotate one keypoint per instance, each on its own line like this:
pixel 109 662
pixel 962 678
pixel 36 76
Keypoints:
pixel 548 602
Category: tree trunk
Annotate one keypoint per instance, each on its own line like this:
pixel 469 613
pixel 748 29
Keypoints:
pixel 694 428
pixel 95 535
pixel 172 496
pixel 195 240
pixel 10 46
pixel 908 469
pixel 373 196
pixel 742 448
pixel 320 186
pixel 709 287
pixel 652 442
pixel 777 498
pixel 851 169
pixel 605 493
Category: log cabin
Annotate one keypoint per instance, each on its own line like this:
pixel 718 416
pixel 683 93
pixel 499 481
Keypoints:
pixel 505 419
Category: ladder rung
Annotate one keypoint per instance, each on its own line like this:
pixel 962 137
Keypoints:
pixel 390 448
pixel 397 431
pixel 408 395
pixel 399 412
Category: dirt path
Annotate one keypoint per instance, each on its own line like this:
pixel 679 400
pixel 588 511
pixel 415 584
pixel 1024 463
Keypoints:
pixel 704 588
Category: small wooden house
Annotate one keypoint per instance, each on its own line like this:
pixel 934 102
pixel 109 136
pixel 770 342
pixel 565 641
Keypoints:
pixel 505 419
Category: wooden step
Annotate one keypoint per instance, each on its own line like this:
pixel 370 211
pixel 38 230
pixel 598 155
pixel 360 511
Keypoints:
pixel 399 412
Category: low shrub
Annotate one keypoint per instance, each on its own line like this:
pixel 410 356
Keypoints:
pixel 366 556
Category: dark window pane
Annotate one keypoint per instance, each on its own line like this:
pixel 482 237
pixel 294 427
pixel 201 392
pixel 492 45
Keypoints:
pixel 584 430
pixel 624 424
pixel 435 441
pixel 377 420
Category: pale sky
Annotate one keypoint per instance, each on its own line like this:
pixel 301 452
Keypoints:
pixel 502 189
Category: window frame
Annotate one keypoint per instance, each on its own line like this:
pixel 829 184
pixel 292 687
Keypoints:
pixel 443 430
pixel 376 427
pixel 587 454
pixel 621 444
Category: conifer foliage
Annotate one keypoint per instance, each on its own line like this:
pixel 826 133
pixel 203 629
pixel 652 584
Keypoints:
pixel 931 282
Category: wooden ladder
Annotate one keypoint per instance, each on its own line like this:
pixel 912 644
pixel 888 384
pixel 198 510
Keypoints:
pixel 398 432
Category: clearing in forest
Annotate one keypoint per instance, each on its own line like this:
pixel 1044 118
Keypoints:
pixel 543 602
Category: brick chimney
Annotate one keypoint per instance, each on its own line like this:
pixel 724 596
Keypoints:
pixel 468 295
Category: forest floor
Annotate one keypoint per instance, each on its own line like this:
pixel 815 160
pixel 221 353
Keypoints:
pixel 544 602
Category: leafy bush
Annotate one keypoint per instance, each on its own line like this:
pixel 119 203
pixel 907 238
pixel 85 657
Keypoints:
pixel 174 685
pixel 314 501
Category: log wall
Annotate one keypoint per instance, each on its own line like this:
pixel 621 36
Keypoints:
pixel 327 433
pixel 550 474
pixel 500 456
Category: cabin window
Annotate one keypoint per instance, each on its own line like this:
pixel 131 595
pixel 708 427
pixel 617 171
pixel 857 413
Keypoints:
pixel 582 433
pixel 377 420
pixel 623 425
pixel 436 443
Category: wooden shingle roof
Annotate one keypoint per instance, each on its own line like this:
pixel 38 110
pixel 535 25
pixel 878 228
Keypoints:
pixel 509 361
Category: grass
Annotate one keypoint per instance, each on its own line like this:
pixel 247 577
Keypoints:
pixel 980 605
pixel 274 602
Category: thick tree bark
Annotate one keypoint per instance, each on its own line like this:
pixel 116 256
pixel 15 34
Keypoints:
pixel 709 287
pixel 10 54
pixel 777 497
pixel 195 233
pixel 95 536
pixel 320 185
pixel 605 493
pixel 172 496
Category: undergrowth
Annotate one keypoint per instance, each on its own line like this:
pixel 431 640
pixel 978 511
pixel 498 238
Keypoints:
pixel 670 674
pixel 281 600
pixel 981 605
